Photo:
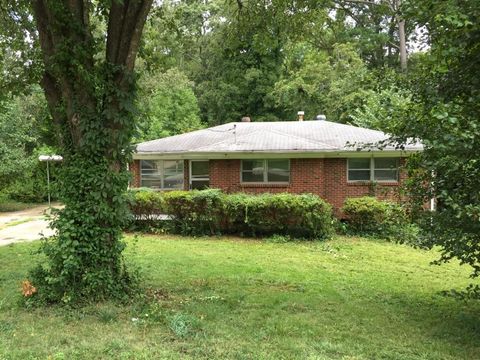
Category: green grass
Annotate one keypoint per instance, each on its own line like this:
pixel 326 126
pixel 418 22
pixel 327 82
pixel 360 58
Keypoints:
pixel 218 298
pixel 11 205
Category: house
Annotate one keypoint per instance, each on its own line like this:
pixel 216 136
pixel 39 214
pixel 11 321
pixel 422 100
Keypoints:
pixel 317 156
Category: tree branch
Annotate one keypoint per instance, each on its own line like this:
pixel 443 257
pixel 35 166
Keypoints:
pixel 125 26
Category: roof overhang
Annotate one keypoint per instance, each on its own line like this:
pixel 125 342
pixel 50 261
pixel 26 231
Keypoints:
pixel 273 154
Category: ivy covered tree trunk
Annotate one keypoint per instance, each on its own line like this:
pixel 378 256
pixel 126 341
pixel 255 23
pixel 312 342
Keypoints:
pixel 91 99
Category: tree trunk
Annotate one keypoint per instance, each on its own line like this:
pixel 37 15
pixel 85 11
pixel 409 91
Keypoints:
pixel 93 102
pixel 403 43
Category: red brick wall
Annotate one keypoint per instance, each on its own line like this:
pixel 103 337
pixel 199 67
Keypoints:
pixel 186 175
pixel 338 189
pixel 135 170
pixel 324 177
pixel 306 176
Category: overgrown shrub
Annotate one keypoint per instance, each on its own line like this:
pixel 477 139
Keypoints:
pixel 370 216
pixel 299 216
pixel 146 205
pixel 210 212
pixel 196 212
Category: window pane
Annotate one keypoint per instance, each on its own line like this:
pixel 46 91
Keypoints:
pixel 278 170
pixel 278 165
pixel 173 181
pixel 386 175
pixel 359 163
pixel 200 184
pixel 386 163
pixel 357 175
pixel 150 174
pixel 148 165
pixel 250 176
pixel 253 165
pixel 200 169
pixel 278 176
pixel 172 166
pixel 173 174
pixel 154 184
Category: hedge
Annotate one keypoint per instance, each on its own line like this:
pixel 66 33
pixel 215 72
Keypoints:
pixel 210 212
pixel 370 216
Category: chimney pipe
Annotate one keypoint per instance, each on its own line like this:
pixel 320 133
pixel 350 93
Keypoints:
pixel 301 115
pixel 246 119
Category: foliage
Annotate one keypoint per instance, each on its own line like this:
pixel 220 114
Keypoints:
pixel 385 109
pixel 196 212
pixel 243 57
pixel 333 84
pixel 17 138
pixel 447 96
pixel 84 258
pixel 168 104
pixel 31 186
pixel 384 219
pixel 24 135
pixel 210 212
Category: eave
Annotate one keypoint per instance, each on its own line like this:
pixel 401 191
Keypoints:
pixel 273 154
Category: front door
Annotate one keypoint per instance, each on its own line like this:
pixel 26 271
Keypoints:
pixel 199 174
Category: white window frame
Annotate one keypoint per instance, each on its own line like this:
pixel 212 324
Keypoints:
pixel 265 173
pixel 162 173
pixel 372 170
pixel 190 175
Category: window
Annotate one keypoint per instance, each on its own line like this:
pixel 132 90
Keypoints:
pixel 199 174
pixel 373 169
pixel 266 171
pixel 386 169
pixel 358 169
pixel 161 174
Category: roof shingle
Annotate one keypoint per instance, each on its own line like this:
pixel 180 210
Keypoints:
pixel 279 136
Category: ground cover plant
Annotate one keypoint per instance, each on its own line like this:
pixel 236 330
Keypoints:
pixel 231 298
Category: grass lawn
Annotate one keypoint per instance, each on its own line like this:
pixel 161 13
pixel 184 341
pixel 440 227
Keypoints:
pixel 218 298
pixel 12 205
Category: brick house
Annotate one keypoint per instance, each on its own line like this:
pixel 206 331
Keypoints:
pixel 334 161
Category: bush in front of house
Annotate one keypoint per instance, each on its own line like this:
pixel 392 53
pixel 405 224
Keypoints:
pixel 197 212
pixel 212 212
pixel 372 217
pixel 146 206
pixel 296 215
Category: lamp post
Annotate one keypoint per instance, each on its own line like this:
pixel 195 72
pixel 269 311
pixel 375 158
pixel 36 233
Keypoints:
pixel 47 159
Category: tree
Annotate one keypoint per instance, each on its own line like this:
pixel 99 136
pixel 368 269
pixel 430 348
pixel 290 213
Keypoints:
pixel 17 138
pixel 319 83
pixel 385 109
pixel 384 15
pixel 447 89
pixel 89 83
pixel 167 106
pixel 24 131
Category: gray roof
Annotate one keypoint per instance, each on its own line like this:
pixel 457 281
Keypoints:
pixel 316 136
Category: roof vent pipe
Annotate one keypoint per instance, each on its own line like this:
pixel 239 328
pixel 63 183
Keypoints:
pixel 301 115
pixel 321 117
pixel 246 119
